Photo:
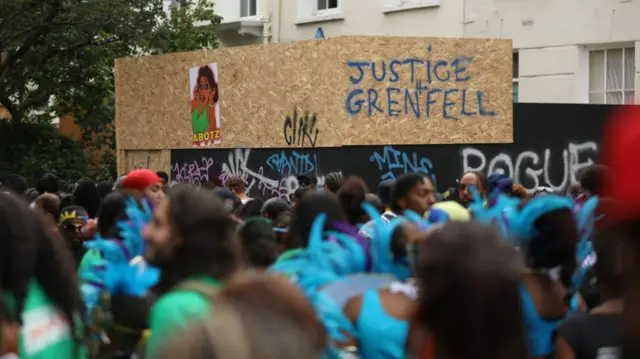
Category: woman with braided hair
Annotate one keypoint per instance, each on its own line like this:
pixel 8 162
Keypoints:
pixel 333 181
pixel 39 285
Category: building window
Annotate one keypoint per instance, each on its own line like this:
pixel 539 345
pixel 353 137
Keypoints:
pixel 313 11
pixel 612 76
pixel 324 5
pixel 516 75
pixel 248 8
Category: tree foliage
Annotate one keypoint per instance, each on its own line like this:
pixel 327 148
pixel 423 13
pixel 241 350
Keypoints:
pixel 33 149
pixel 57 56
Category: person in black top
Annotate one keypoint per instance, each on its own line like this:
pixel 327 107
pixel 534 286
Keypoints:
pixel 598 334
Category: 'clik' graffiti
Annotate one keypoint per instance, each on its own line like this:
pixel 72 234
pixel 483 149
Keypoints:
pixel 300 129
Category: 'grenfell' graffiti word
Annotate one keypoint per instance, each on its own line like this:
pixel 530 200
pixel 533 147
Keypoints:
pixel 420 94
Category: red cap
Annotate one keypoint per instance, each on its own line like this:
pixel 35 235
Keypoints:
pixel 620 153
pixel 140 179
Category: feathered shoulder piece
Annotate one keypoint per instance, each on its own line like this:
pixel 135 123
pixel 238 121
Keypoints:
pixel 329 256
pixel 131 230
pixel 381 240
pixel 383 261
pixel 501 211
pixel 585 254
pixel 123 270
pixel 534 209
pixel 132 244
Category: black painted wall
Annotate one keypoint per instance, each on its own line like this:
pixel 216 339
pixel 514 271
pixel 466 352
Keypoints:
pixel 552 142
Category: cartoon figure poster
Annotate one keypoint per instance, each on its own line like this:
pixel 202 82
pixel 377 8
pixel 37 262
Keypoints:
pixel 205 105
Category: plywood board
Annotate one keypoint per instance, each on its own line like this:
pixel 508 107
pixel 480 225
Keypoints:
pixel 319 93
pixel 157 160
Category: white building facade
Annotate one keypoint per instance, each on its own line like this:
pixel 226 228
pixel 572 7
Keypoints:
pixel 565 51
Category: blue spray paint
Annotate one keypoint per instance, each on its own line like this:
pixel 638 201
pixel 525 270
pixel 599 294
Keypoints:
pixel 396 163
pixel 426 93
pixel 294 164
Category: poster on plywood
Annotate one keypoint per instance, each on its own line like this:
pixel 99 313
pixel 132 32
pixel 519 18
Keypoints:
pixel 205 105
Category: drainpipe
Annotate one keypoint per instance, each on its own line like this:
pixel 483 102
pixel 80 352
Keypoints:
pixel 266 29
pixel 278 11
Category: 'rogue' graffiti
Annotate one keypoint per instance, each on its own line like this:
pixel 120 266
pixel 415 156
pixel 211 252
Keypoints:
pixel 532 169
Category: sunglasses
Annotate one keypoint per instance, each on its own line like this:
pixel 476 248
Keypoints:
pixel 73 227
pixel 463 186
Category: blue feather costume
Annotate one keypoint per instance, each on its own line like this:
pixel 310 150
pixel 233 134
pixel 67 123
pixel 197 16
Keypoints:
pixel 333 269
pixel 517 224
pixel 120 268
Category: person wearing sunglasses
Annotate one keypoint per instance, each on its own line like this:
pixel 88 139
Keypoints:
pixel 463 191
pixel 72 221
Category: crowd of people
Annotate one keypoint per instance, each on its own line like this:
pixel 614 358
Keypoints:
pixel 142 269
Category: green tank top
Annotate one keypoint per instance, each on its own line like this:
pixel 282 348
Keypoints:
pixel 175 310
pixel 45 333
pixel 200 122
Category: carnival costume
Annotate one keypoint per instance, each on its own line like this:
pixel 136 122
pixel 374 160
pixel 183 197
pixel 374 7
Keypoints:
pixel 118 269
pixel 516 222
pixel 338 265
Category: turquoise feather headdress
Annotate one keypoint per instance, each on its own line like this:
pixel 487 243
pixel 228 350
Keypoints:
pixel 502 212
pixel 585 254
pixel 525 230
pixel 120 269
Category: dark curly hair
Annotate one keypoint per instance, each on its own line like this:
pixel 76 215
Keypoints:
pixel 236 183
pixel 207 231
pixel 351 195
pixel 469 301
pixel 88 197
pixel 305 213
pixel 28 252
pixel 258 242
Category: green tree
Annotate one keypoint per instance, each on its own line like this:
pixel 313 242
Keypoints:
pixel 57 56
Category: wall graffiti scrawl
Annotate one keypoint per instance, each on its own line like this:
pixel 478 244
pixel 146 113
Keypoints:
pixel 533 169
pixel 301 130
pixel 266 172
pixel 399 162
pixel 553 143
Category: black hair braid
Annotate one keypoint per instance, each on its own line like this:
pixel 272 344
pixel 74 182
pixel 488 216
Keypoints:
pixel 28 252
pixel 55 272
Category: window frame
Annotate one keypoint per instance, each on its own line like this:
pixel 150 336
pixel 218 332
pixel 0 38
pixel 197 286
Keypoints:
pixel 624 89
pixel 248 2
pixel 328 10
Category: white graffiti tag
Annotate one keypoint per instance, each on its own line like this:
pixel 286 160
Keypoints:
pixel 255 179
pixel 194 172
pixel 237 167
pixel 529 167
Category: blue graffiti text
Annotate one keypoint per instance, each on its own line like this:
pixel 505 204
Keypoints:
pixel 394 163
pixel 295 163
pixel 415 87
